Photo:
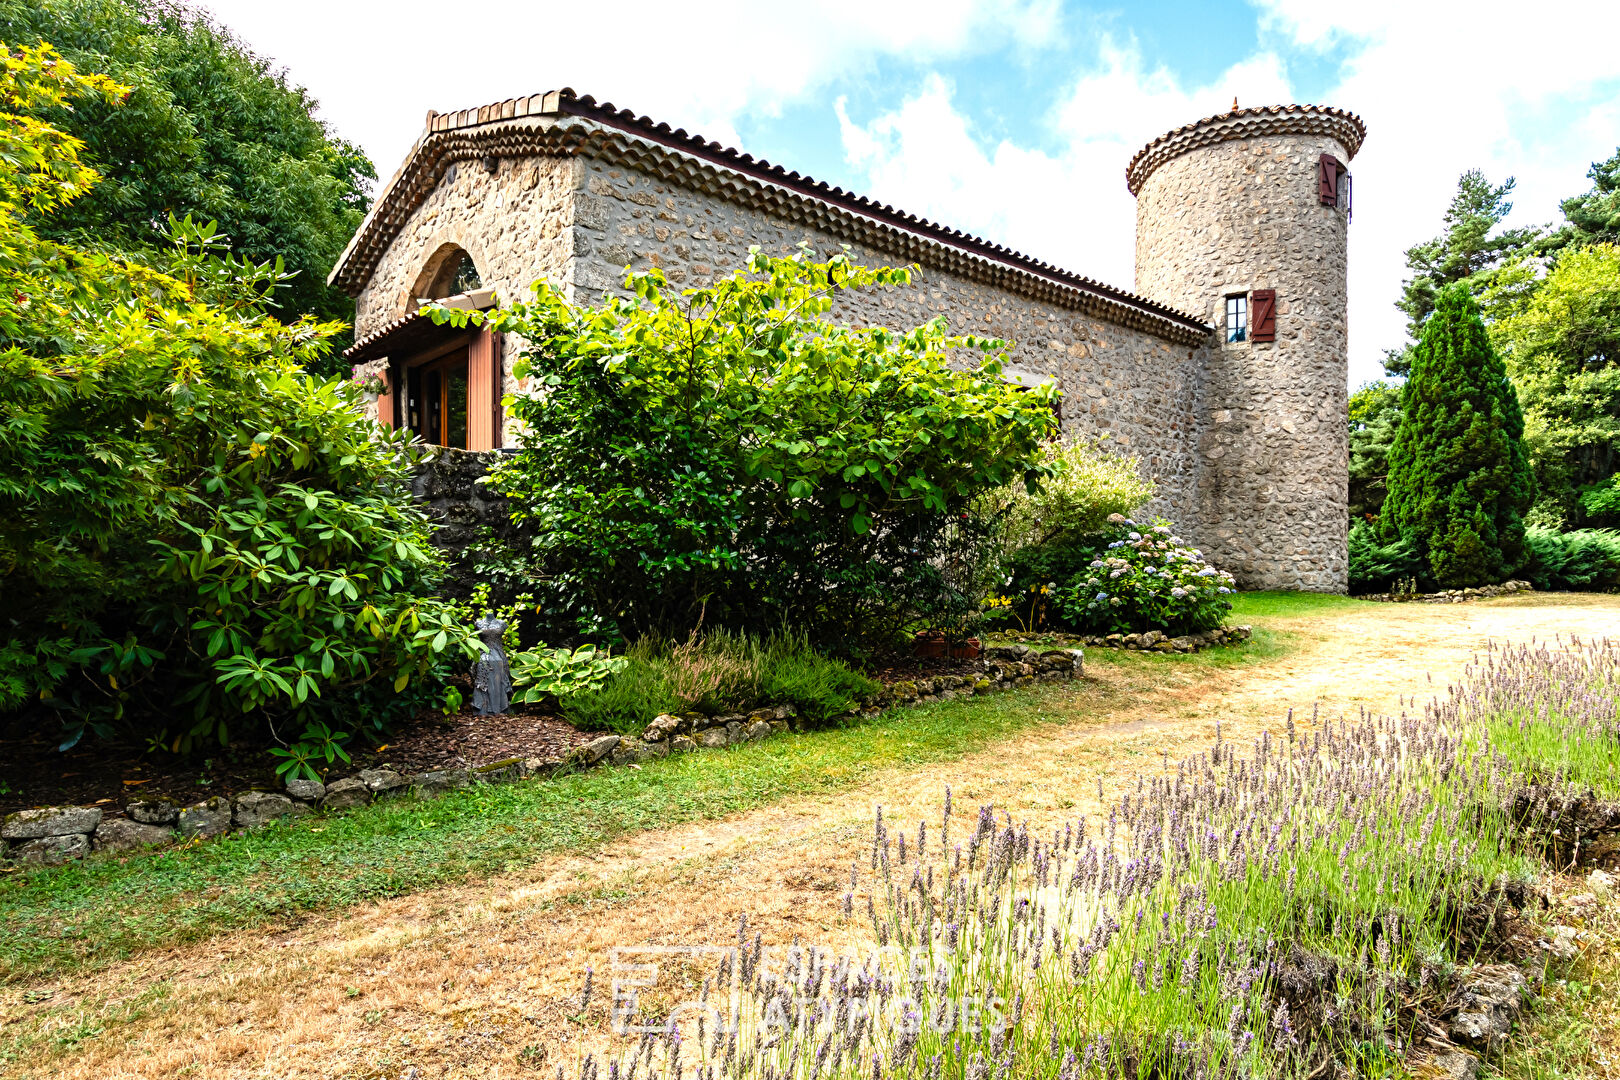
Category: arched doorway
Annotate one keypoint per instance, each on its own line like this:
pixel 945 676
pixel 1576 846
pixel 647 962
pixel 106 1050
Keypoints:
pixel 443 383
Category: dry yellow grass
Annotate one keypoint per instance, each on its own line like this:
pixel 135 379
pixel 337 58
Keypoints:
pixel 482 980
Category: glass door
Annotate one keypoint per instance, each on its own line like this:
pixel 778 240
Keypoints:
pixel 438 409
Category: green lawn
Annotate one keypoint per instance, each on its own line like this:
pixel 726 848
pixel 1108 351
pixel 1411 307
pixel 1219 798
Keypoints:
pixel 1288 605
pixel 90 913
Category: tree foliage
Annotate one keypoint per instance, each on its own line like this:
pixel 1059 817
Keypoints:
pixel 207 129
pixel 729 454
pixel 191 528
pixel 1470 249
pixel 1594 216
pixel 1563 352
pixel 1375 414
pixel 1459 476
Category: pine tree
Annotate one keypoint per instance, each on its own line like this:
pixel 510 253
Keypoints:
pixel 1459 476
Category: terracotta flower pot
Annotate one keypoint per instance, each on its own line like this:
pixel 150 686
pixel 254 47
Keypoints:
pixel 929 645
pixel 968 650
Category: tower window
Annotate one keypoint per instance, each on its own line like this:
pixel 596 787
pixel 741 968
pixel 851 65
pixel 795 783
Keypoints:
pixel 1237 318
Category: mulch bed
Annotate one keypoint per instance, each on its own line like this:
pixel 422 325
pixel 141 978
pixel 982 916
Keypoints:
pixel 110 773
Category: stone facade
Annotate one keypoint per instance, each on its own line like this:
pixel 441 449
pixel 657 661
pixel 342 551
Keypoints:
pixel 1133 387
pixel 1246 444
pixel 1226 218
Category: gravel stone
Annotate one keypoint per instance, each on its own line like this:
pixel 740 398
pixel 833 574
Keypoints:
pixel 1491 1000
pixel 307 790
pixel 383 781
pixel 155 811
pixel 438 781
pixel 342 794
pixel 592 752
pixel 257 808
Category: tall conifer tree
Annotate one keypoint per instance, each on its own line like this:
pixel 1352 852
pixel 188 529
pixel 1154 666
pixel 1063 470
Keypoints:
pixel 1459 476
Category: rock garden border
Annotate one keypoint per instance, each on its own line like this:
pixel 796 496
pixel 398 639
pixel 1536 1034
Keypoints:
pixel 1149 641
pixel 53 835
pixel 1450 596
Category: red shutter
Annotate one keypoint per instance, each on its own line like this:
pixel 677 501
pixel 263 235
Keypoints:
pixel 482 400
pixel 1327 179
pixel 1263 315
pixel 385 400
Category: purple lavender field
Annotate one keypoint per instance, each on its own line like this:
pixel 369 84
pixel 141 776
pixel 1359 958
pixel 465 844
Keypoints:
pixel 1305 905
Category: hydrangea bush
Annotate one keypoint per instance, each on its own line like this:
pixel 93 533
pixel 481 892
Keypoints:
pixel 1146 578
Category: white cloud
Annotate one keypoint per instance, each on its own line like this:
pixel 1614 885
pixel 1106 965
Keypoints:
pixel 1070 206
pixel 1443 88
pixel 1527 92
pixel 378 67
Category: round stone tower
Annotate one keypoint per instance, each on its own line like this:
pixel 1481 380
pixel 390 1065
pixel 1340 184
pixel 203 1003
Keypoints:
pixel 1242 219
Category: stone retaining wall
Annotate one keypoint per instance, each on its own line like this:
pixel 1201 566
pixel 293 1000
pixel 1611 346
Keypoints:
pixel 462 508
pixel 52 835
pixel 1450 596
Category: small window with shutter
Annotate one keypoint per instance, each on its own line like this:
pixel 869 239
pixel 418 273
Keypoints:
pixel 1263 315
pixel 1237 318
pixel 1327 179
pixel 1333 183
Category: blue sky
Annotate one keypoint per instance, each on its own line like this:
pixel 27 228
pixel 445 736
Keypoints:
pixel 1011 118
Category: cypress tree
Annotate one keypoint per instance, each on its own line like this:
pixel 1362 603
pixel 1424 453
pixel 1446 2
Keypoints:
pixel 1459 476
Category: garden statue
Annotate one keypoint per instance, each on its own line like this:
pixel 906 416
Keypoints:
pixel 491 676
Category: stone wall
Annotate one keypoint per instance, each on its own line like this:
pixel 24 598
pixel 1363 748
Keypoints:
pixel 462 508
pixel 1130 385
pixel 512 221
pixel 1273 490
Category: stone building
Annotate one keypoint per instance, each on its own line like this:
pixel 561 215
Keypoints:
pixel 1224 372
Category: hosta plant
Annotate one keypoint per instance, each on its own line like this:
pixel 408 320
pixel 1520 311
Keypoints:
pixel 553 674
pixel 1146 578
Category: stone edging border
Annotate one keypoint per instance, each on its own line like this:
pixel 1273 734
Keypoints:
pixel 53 835
pixel 1155 640
pixel 1450 596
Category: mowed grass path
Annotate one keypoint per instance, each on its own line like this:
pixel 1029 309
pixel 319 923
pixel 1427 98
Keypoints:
pixel 105 909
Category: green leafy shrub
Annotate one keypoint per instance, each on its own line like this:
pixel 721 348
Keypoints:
pixel 1378 567
pixel 1459 476
pixel 720 672
pixel 319 743
pixel 1049 533
pixel 1587 560
pixel 195 535
pixel 1146 578
pixel 1082 488
pixel 728 456
pixel 556 674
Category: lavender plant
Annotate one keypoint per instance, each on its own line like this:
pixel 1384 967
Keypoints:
pixel 1268 910
pixel 1550 708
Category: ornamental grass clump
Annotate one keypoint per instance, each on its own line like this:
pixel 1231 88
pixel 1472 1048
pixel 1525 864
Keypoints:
pixel 1146 578
pixel 719 672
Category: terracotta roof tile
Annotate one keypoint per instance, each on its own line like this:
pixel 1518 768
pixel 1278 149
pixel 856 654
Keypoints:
pixel 411 183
